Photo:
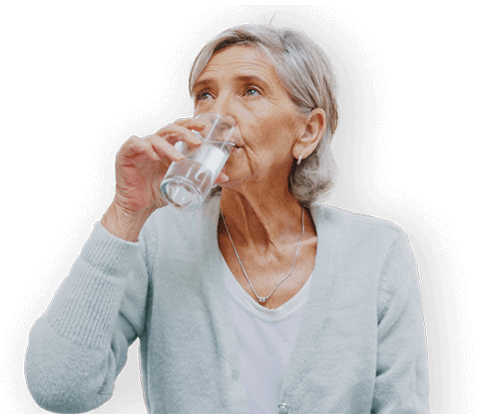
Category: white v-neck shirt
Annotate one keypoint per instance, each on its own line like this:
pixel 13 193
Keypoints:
pixel 265 341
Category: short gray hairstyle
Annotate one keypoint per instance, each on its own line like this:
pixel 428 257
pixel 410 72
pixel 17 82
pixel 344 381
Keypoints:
pixel 307 74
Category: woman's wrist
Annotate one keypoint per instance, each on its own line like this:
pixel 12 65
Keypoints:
pixel 123 223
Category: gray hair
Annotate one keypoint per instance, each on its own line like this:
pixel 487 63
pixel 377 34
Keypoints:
pixel 307 74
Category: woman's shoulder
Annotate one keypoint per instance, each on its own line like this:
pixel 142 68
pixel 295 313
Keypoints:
pixel 332 213
pixel 361 238
pixel 343 221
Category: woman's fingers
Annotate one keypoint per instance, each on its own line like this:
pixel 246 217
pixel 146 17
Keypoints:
pixel 182 130
pixel 160 146
pixel 164 149
pixel 190 122
pixel 136 150
pixel 152 148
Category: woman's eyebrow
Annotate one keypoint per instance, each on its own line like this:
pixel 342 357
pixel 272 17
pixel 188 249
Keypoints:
pixel 239 78
pixel 204 82
pixel 252 79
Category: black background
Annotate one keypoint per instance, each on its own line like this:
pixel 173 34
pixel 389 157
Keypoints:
pixel 89 79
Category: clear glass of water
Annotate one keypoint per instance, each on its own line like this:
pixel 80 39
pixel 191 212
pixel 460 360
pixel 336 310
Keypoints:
pixel 188 182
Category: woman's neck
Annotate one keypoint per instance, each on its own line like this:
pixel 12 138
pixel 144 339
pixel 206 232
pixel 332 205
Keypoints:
pixel 260 219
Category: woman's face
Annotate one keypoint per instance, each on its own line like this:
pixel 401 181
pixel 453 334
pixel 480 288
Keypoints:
pixel 240 85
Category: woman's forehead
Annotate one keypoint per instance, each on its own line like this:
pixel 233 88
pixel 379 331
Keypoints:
pixel 239 61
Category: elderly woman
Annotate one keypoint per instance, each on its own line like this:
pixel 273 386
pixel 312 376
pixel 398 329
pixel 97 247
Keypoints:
pixel 262 300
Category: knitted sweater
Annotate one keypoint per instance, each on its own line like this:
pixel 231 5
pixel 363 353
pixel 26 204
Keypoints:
pixel 360 347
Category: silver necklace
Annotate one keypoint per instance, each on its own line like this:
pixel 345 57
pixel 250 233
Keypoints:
pixel 260 298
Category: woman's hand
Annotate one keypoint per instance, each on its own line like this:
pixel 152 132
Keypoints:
pixel 141 164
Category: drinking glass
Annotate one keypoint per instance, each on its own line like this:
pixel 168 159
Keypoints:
pixel 188 182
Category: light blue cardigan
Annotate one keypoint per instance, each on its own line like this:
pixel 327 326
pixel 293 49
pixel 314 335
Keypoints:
pixel 360 348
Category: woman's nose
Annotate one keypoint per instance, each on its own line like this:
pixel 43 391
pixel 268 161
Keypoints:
pixel 230 118
pixel 223 106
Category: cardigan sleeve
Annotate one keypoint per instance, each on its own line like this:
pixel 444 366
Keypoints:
pixel 401 384
pixel 79 345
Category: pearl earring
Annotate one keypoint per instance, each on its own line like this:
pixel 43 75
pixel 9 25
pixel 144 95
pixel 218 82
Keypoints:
pixel 299 160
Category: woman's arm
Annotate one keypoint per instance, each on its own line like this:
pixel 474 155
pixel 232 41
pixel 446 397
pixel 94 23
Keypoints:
pixel 401 384
pixel 79 345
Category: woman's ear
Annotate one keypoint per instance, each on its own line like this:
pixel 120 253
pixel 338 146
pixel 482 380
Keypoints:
pixel 314 129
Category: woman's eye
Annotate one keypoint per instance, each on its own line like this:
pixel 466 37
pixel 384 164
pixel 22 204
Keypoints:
pixel 252 92
pixel 203 95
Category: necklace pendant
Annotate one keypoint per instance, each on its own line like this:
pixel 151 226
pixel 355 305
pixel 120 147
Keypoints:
pixel 264 300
